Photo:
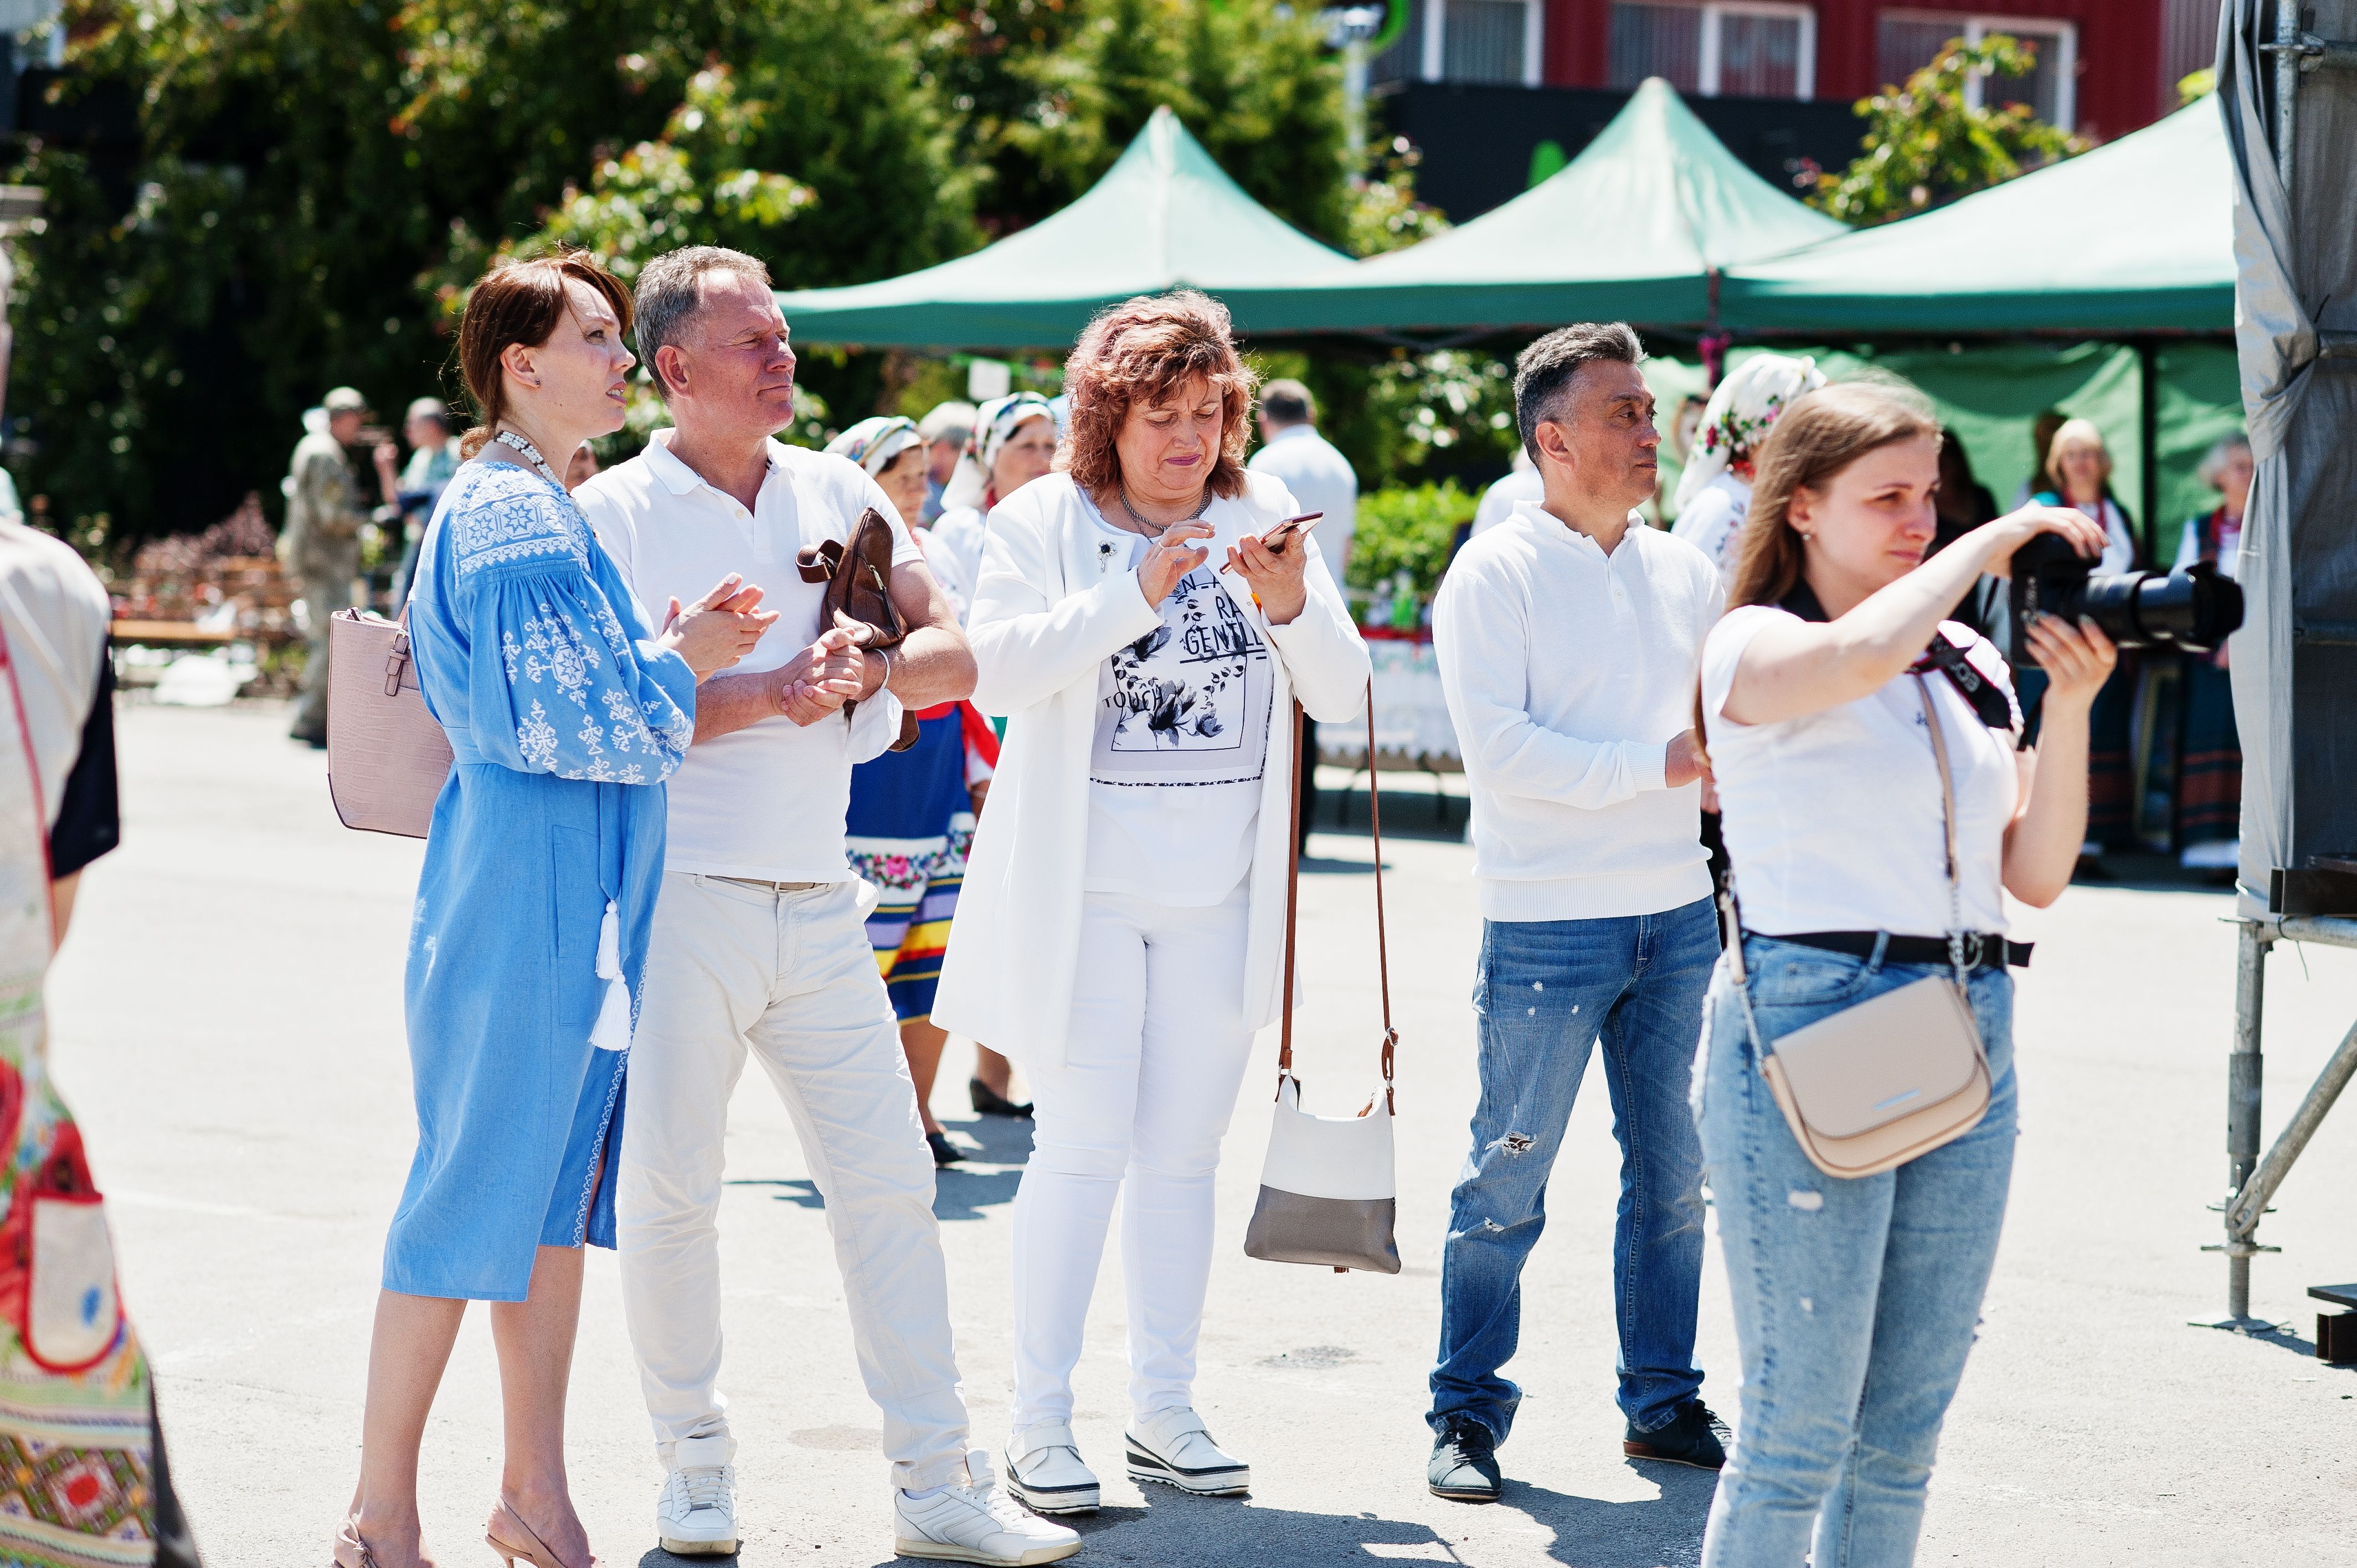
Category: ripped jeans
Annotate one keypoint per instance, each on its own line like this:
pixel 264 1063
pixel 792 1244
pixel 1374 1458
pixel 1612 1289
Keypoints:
pixel 1856 1301
pixel 1546 991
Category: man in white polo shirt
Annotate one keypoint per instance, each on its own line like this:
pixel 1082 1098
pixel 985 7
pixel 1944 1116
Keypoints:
pixel 1568 637
pixel 758 942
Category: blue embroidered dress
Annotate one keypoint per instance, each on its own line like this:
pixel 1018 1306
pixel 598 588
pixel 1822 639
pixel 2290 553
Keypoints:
pixel 564 719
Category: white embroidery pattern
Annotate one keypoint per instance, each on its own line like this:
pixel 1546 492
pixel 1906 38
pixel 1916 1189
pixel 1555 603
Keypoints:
pixel 508 514
pixel 536 738
pixel 569 647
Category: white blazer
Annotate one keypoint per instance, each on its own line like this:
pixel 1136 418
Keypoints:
pixel 1049 610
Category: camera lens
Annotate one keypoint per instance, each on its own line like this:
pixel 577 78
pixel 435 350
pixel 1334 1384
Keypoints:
pixel 2194 610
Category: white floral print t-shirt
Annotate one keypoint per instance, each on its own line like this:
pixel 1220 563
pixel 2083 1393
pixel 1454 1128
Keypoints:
pixel 1181 744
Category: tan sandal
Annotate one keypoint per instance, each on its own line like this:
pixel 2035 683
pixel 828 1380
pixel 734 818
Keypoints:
pixel 351 1552
pixel 507 1534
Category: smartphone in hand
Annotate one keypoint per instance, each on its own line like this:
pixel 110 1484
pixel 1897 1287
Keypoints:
pixel 1278 538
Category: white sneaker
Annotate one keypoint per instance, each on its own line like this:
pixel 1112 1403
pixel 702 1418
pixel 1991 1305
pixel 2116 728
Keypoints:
pixel 1045 1470
pixel 1172 1447
pixel 977 1522
pixel 696 1514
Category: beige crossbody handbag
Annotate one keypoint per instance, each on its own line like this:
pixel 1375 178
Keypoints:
pixel 387 757
pixel 1876 1085
pixel 1326 1189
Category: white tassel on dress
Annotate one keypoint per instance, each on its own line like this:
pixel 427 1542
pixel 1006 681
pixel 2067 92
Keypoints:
pixel 612 1032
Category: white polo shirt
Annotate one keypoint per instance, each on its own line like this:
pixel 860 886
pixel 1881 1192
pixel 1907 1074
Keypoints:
pixel 768 801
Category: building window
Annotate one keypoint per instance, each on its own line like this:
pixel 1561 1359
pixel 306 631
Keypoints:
pixel 1732 48
pixel 1906 41
pixel 1465 40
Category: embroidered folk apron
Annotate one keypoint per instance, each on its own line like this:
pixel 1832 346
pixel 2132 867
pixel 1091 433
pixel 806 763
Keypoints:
pixel 76 1428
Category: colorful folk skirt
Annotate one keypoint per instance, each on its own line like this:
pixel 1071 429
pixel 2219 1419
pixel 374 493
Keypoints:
pixel 909 827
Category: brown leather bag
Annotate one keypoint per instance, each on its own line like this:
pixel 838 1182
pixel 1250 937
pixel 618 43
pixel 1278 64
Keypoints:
pixel 858 598
pixel 387 757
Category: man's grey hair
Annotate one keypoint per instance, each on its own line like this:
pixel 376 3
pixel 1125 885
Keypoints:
pixel 1543 372
pixel 670 289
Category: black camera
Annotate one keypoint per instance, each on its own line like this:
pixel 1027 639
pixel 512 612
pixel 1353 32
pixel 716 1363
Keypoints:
pixel 2193 609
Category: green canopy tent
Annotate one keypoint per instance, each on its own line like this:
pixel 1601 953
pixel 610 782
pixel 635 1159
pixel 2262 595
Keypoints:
pixel 1165 216
pixel 1635 228
pixel 2134 238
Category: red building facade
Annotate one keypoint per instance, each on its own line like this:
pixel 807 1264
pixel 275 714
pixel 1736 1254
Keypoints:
pixel 2106 67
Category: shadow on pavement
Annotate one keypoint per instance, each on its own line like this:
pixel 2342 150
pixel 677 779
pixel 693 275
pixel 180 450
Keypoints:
pixel 1174 1528
pixel 960 1191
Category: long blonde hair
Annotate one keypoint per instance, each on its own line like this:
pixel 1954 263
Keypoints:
pixel 1818 437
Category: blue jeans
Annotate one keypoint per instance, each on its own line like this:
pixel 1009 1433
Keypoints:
pixel 1545 993
pixel 1856 1301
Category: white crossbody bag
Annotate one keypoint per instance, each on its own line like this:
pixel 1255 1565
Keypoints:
pixel 1327 1195
pixel 1893 1077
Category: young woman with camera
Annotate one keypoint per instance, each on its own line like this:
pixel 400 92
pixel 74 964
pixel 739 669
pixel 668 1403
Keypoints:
pixel 1855 1296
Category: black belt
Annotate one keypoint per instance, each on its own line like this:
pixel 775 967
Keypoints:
pixel 1987 952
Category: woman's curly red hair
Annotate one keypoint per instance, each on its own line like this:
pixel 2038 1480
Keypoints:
pixel 1146 351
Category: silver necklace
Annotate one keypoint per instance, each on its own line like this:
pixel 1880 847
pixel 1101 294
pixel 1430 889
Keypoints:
pixel 1202 507
pixel 510 439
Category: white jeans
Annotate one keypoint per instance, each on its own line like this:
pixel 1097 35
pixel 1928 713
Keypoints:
pixel 793 976
pixel 1158 1048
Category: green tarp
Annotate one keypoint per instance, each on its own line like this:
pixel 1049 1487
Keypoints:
pixel 2134 237
pixel 1629 229
pixel 1164 216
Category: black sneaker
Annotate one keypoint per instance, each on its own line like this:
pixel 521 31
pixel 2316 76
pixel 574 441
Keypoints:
pixel 1693 1436
pixel 988 1101
pixel 1464 1468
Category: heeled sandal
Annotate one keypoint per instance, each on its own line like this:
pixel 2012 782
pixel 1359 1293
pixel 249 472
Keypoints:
pixel 351 1551
pixel 506 1529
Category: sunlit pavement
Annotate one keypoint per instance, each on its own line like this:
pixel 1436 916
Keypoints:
pixel 227 1023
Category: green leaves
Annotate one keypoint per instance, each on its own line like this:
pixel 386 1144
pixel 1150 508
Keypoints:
pixel 1408 529
pixel 1925 144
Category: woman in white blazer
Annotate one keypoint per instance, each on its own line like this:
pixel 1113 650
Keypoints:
pixel 1124 907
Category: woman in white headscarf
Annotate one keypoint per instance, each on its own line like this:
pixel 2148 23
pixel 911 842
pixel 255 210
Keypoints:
pixel 1715 491
pixel 1014 443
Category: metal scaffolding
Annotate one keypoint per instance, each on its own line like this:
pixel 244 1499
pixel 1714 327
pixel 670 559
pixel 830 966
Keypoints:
pixel 2294 54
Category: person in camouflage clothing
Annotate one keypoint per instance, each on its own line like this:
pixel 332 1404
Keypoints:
pixel 320 546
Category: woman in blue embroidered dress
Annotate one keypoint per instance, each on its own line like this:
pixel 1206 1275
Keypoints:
pixel 565 713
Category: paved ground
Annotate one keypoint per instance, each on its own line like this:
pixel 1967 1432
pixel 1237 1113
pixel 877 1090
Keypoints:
pixel 228 1024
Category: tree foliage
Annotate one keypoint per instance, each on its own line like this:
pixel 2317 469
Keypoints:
pixel 300 190
pixel 1926 145
pixel 1050 91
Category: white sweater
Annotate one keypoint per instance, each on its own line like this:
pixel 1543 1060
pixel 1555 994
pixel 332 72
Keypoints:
pixel 1567 673
pixel 1048 611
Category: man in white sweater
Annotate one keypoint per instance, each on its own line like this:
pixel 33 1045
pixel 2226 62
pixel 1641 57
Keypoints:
pixel 1568 637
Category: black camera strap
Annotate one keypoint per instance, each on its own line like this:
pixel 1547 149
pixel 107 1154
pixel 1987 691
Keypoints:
pixel 1989 702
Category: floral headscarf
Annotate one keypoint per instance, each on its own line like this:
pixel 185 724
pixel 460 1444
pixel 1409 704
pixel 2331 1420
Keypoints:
pixel 994 423
pixel 875 442
pixel 1737 419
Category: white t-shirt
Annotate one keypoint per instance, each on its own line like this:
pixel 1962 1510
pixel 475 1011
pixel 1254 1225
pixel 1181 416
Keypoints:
pixel 1322 480
pixel 1181 744
pixel 1833 820
pixel 768 801
pixel 1712 521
